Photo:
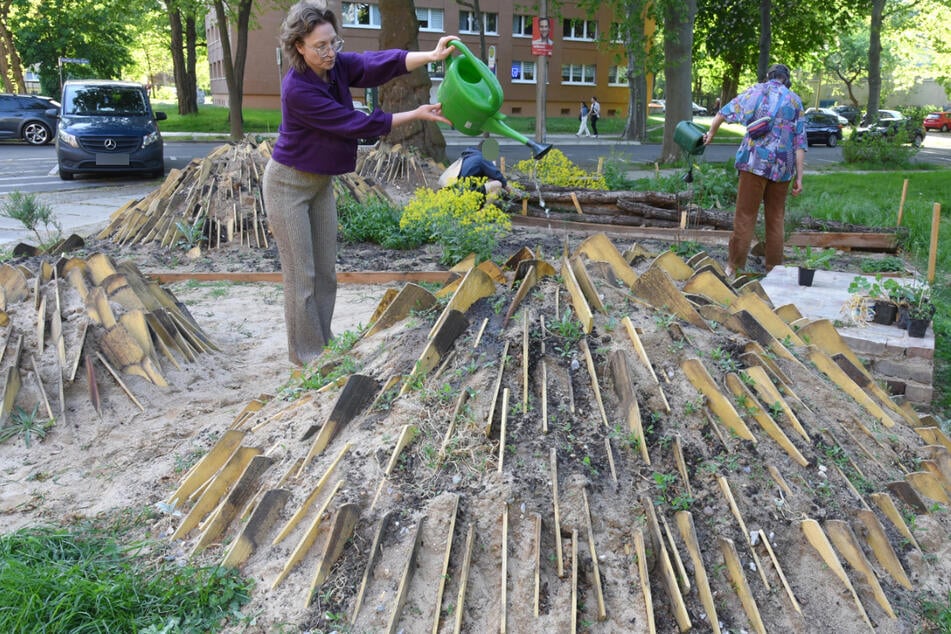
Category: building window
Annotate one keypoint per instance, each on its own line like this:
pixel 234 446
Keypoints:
pixel 617 33
pixel 578 73
pixel 469 24
pixel 579 29
pixel 430 19
pixel 436 70
pixel 523 72
pixel 521 26
pixel 617 76
pixel 360 15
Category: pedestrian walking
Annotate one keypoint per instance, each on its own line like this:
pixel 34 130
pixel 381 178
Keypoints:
pixel 594 115
pixel 583 117
pixel 317 140
pixel 767 161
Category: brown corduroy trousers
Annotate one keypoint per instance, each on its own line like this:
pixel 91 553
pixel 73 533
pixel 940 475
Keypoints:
pixel 303 218
pixel 751 191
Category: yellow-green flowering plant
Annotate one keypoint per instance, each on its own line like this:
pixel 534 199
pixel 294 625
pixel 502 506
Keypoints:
pixel 556 169
pixel 458 218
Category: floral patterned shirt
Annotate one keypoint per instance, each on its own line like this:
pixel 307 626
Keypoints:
pixel 773 155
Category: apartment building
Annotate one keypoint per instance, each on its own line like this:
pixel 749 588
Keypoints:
pixel 580 66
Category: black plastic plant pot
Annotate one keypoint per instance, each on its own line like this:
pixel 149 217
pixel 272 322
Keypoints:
pixel 918 327
pixel 806 276
pixel 884 312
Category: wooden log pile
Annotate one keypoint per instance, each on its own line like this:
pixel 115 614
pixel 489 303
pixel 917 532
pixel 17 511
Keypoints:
pixel 631 208
pixel 215 201
pixel 661 209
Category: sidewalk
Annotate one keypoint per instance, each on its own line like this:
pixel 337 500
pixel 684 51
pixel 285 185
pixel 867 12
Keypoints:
pixel 79 211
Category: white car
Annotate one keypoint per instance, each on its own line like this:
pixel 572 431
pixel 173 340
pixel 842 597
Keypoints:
pixel 831 113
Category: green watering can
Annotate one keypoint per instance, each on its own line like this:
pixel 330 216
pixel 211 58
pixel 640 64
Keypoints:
pixel 471 97
pixel 689 136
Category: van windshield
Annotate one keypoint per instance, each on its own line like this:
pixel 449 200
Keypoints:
pixel 104 100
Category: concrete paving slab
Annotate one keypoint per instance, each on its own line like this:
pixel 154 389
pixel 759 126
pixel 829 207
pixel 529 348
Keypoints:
pixel 826 298
pixel 81 211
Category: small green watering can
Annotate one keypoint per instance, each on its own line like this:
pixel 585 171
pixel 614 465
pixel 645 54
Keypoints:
pixel 689 136
pixel 471 97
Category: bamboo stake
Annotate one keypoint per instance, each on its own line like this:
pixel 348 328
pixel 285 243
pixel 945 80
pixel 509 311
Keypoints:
pixel 466 564
pixel 901 204
pixel 559 559
pixel 933 250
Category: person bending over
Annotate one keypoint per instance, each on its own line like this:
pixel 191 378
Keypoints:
pixel 318 140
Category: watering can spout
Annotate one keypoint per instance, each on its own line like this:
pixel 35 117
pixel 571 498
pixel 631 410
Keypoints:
pixel 471 97
pixel 495 124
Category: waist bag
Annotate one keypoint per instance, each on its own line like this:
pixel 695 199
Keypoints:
pixel 761 126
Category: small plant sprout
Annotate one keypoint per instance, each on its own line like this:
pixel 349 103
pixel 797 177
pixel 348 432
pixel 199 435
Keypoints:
pixel 814 259
pixel 29 211
pixel 26 425
pixel 192 234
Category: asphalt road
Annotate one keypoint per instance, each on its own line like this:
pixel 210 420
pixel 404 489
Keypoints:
pixel 27 168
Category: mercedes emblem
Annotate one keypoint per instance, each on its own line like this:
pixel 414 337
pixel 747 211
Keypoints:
pixel 110 144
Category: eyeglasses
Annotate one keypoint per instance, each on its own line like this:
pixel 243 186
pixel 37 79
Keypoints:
pixel 324 50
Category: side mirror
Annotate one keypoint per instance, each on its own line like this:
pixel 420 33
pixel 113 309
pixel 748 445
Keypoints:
pixel 160 116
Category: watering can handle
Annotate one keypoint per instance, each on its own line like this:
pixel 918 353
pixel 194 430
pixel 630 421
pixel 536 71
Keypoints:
pixel 492 81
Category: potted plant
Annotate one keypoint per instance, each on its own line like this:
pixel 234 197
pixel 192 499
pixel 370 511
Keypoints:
pixel 885 294
pixel 920 308
pixel 810 261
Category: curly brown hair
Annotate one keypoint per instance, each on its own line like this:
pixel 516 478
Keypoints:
pixel 301 19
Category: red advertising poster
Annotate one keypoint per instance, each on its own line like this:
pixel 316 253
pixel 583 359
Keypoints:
pixel 541 36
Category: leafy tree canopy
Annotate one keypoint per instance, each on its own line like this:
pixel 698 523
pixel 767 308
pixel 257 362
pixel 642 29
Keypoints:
pixel 101 31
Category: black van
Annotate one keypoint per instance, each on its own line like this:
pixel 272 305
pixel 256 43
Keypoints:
pixel 108 127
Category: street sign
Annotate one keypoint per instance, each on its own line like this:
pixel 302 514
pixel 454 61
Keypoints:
pixel 73 60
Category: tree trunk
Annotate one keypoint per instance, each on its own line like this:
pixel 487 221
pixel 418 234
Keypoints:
pixel 399 29
pixel 186 105
pixel 765 39
pixel 875 59
pixel 636 127
pixel 13 71
pixel 678 49
pixel 234 65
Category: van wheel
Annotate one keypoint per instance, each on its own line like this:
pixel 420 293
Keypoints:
pixel 833 140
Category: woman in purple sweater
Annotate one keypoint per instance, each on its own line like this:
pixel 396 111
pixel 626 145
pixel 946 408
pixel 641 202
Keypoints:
pixel 318 140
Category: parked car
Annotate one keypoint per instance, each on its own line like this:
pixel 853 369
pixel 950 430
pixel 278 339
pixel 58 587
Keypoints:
pixel 892 124
pixel 832 113
pixel 938 121
pixel 361 107
pixel 823 128
pixel 851 113
pixel 24 117
pixel 698 110
pixel 656 106
pixel 108 127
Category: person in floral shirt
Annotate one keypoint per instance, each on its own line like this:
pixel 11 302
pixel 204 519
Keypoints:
pixel 766 164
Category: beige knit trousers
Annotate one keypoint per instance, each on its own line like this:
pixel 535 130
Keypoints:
pixel 302 215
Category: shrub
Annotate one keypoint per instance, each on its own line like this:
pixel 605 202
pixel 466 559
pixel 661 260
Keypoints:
pixel 459 219
pixel 879 151
pixel 374 221
pixel 556 169
pixel 714 185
